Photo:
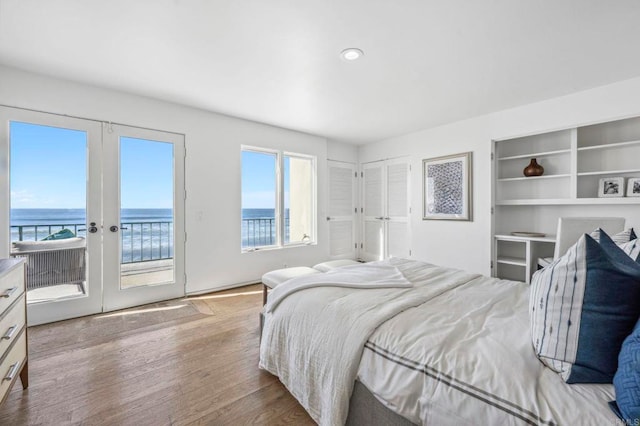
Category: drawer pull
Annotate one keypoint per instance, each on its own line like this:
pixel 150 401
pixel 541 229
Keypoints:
pixel 8 292
pixel 10 331
pixel 12 371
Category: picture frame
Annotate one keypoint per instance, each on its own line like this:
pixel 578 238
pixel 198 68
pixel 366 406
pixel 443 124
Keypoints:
pixel 447 187
pixel 610 187
pixel 633 187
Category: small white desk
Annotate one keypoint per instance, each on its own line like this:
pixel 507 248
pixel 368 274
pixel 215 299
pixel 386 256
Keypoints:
pixel 516 258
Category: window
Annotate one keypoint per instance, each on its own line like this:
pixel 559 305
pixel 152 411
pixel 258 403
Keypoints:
pixel 278 199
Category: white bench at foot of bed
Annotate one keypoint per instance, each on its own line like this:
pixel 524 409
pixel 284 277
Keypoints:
pixel 272 279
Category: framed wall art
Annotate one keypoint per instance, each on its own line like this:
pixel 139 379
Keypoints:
pixel 447 187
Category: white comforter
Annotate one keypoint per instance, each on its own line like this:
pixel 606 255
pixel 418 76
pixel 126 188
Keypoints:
pixel 454 349
pixel 314 339
pixel 466 358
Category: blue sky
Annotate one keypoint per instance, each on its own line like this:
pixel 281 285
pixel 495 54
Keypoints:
pixel 259 180
pixel 48 169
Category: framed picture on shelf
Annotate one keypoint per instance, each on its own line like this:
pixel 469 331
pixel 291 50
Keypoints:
pixel 611 187
pixel 633 187
pixel 446 191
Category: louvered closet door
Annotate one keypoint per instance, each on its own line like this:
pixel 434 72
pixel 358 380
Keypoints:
pixel 397 217
pixel 342 216
pixel 374 204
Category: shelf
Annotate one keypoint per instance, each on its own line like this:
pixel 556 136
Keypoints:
pixel 509 237
pixel 535 154
pixel 609 145
pixel 609 172
pixel 512 261
pixel 533 177
pixel 568 201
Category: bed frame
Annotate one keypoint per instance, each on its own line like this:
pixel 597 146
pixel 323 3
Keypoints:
pixel 365 409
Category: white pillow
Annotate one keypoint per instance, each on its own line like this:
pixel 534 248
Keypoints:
pixel 66 243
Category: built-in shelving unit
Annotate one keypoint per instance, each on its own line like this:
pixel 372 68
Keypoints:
pixel 574 161
pixel 517 257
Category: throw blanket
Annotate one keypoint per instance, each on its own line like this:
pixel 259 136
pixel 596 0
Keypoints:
pixel 368 275
pixel 314 340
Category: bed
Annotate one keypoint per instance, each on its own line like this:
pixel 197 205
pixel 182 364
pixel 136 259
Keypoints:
pixel 453 348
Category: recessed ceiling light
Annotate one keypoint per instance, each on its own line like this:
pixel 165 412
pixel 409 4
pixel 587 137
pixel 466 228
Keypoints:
pixel 351 54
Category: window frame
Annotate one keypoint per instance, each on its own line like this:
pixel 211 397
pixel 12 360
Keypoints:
pixel 279 209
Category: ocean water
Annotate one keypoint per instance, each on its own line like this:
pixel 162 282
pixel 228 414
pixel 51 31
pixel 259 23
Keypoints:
pixel 147 234
pixel 78 216
pixel 259 227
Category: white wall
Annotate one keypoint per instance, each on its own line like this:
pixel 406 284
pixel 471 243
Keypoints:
pixel 213 257
pixel 467 245
pixel 339 151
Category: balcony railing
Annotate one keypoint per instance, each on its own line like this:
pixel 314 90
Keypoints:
pixel 260 232
pixel 141 241
pixel 147 241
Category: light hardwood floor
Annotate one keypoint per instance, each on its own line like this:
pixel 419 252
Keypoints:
pixel 181 362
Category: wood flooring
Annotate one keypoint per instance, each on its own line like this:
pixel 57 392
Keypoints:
pixel 191 361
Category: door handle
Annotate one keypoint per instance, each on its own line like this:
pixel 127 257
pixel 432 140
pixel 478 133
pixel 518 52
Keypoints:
pixel 379 218
pixel 93 228
pixel 113 228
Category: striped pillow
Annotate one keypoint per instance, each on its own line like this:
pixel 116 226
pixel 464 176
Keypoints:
pixel 582 307
pixel 619 238
pixel 632 249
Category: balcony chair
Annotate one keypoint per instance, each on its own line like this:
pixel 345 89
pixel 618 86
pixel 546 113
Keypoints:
pixel 54 262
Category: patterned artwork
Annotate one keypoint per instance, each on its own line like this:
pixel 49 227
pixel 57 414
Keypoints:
pixel 447 182
pixel 633 187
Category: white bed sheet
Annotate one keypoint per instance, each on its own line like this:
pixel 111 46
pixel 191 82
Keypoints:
pixel 465 357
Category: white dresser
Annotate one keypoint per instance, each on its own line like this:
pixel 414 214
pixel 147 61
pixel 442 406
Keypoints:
pixel 13 326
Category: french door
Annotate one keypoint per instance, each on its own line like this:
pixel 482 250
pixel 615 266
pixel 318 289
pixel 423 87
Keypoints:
pixel 143 231
pixel 95 210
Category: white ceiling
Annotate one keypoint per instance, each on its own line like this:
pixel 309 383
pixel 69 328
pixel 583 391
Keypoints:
pixel 426 62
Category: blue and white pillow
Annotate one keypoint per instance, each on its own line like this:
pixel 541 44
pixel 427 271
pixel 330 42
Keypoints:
pixel 582 307
pixel 627 379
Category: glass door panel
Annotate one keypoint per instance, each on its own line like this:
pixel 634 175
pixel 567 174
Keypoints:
pixel 50 163
pixel 259 228
pixel 146 212
pixel 143 231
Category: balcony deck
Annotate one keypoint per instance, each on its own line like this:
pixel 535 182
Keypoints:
pixel 133 275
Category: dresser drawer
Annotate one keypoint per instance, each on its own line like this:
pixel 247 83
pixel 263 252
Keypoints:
pixel 11 324
pixel 11 287
pixel 12 363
